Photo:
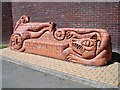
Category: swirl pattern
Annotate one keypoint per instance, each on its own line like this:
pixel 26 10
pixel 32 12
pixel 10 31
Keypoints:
pixel 16 41
pixel 59 34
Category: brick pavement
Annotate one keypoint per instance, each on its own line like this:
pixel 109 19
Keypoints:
pixel 104 74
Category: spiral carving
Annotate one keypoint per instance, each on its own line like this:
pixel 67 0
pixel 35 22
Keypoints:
pixel 59 34
pixel 16 41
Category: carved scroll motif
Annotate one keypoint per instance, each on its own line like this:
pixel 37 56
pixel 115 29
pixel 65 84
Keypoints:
pixel 84 46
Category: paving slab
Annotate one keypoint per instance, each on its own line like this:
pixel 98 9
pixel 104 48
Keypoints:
pixel 99 77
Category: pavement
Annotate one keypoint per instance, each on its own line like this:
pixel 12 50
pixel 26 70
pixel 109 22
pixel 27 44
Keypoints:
pixel 98 77
pixel 16 76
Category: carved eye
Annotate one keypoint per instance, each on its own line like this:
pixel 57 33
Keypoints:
pixel 87 43
pixel 94 36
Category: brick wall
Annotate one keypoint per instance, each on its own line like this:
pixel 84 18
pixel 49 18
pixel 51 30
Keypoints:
pixel 7 22
pixel 78 15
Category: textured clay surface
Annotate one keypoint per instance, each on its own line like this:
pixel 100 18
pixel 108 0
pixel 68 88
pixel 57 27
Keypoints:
pixel 80 45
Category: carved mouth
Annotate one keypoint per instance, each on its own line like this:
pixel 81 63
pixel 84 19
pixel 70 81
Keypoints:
pixel 79 48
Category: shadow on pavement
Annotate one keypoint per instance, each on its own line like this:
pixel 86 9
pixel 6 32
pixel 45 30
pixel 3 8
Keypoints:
pixel 115 58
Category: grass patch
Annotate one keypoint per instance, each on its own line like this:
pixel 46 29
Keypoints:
pixel 3 46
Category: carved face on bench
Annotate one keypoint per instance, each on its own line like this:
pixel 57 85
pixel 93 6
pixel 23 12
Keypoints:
pixel 86 47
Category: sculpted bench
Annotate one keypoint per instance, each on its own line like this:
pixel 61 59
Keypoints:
pixel 80 45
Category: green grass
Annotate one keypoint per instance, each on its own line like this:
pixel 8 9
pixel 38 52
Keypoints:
pixel 3 46
pixel 119 84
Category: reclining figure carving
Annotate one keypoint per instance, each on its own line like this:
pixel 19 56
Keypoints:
pixel 25 29
pixel 80 45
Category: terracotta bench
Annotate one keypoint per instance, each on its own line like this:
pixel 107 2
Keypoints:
pixel 80 45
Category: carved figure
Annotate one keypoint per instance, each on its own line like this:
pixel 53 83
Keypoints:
pixel 23 19
pixel 24 30
pixel 80 45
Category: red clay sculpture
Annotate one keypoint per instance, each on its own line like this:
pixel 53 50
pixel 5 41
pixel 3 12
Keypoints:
pixel 80 45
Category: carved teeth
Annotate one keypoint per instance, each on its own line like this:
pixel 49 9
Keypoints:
pixel 78 47
pixel 75 44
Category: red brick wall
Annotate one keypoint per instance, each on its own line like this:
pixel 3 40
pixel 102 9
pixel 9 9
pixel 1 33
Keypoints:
pixel 78 15
pixel 7 22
